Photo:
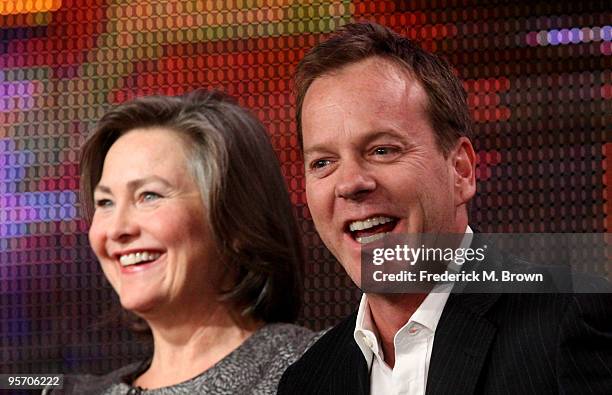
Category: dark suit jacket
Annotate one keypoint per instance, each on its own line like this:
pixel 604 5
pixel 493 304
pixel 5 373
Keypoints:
pixel 485 344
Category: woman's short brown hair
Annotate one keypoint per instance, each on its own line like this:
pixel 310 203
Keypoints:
pixel 243 192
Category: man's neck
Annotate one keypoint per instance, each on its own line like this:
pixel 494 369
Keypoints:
pixel 390 312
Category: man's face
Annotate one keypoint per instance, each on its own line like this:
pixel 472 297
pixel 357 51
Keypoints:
pixel 372 163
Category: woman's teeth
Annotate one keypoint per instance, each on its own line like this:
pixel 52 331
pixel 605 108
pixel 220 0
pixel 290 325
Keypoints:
pixel 138 257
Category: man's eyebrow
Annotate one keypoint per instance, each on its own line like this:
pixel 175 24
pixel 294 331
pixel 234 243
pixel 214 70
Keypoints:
pixel 366 139
pixel 135 184
pixel 318 148
pixel 386 133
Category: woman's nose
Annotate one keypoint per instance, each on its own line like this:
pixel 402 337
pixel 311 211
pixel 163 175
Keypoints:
pixel 123 225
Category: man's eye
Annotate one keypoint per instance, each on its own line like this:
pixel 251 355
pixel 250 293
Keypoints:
pixel 149 196
pixel 103 203
pixel 383 150
pixel 319 164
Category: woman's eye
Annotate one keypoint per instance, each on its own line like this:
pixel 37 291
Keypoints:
pixel 149 196
pixel 103 203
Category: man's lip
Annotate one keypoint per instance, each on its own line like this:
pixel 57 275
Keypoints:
pixel 348 222
pixel 350 236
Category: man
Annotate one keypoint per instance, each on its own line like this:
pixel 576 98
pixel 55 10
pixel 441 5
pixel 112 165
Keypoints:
pixel 385 131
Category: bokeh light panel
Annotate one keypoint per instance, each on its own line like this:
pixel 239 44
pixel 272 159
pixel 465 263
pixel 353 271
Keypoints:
pixel 8 7
pixel 538 80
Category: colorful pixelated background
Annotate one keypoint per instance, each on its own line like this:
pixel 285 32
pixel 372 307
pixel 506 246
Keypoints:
pixel 539 81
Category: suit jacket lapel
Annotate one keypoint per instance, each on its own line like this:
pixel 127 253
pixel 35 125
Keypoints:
pixel 352 376
pixel 340 365
pixel 463 336
pixel 461 344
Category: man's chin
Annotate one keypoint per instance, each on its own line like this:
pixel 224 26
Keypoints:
pixel 356 280
pixel 354 272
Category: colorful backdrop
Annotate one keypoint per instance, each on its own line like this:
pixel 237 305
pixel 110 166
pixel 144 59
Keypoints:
pixel 539 81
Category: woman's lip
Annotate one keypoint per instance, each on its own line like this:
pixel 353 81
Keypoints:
pixel 141 267
pixel 118 254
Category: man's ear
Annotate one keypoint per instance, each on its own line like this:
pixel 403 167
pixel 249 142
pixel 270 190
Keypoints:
pixel 463 160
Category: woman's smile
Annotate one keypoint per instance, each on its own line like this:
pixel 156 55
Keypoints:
pixel 149 228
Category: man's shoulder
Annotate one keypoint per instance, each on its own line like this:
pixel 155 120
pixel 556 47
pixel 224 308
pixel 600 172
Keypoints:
pixel 332 363
pixel 529 308
pixel 337 338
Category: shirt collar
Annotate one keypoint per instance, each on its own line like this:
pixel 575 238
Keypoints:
pixel 465 243
pixel 427 314
pixel 365 334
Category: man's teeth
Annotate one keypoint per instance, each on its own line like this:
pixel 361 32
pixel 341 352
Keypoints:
pixel 368 223
pixel 369 239
pixel 138 257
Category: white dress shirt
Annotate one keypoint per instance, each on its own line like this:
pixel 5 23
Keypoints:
pixel 413 343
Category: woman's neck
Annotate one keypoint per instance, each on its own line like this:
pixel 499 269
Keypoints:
pixel 184 347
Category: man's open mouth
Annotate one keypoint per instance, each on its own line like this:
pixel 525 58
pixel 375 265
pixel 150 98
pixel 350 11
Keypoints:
pixel 371 229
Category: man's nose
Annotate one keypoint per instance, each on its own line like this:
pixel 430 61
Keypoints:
pixel 355 181
pixel 123 225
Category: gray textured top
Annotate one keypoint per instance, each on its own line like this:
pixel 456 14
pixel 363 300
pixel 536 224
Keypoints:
pixel 255 367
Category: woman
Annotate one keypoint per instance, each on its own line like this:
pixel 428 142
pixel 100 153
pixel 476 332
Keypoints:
pixel 192 225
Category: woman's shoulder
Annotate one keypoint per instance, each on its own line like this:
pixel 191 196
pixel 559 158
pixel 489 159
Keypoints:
pixel 283 340
pixel 297 333
pixel 86 384
pixel 257 365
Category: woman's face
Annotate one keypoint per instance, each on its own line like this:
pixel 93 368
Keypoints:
pixel 149 229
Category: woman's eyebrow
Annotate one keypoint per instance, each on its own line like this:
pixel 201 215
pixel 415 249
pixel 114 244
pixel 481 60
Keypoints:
pixel 103 189
pixel 135 184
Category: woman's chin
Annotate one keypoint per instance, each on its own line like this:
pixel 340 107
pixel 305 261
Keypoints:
pixel 140 306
